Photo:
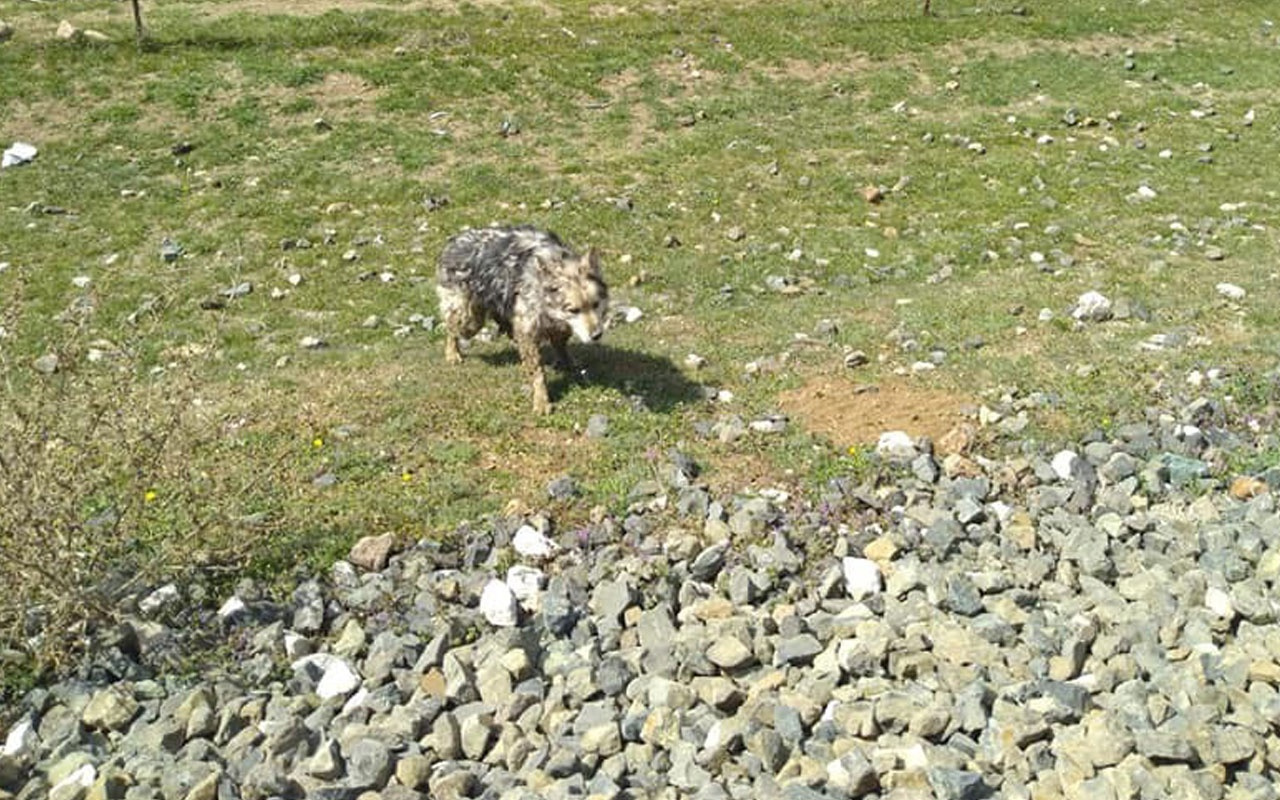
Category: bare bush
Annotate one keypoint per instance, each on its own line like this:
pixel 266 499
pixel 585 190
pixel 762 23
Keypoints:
pixel 99 495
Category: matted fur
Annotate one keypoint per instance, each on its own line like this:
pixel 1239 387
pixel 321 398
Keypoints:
pixel 536 289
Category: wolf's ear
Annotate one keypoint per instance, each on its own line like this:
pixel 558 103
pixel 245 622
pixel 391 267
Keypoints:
pixel 593 260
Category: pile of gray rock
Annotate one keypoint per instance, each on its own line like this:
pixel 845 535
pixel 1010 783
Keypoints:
pixel 1098 622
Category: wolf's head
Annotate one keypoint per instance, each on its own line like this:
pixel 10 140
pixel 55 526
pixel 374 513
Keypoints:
pixel 578 295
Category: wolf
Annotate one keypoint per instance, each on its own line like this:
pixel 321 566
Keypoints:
pixel 529 282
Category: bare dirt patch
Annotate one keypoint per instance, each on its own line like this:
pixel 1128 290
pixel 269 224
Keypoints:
pixel 1094 46
pixel 339 94
pixel 311 8
pixel 609 11
pixel 342 90
pixel 42 121
pixel 622 83
pixel 850 414
pixel 853 63
pixel 687 73
pixel 536 455
pixel 819 71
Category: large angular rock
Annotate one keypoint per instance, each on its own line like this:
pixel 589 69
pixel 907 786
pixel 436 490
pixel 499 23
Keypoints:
pixel 110 709
pixel 499 605
pixel 862 577
pixel 372 552
pixel 730 653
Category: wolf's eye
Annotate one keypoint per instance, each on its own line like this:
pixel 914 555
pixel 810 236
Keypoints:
pixel 574 310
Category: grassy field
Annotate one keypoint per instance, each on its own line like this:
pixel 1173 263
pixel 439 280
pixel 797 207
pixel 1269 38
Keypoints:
pixel 715 151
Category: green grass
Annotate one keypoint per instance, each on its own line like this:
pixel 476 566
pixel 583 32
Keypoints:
pixel 685 112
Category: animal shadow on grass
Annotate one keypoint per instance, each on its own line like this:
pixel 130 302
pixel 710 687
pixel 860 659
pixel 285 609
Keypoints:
pixel 654 379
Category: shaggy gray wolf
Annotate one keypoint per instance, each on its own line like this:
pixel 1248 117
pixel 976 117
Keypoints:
pixel 536 289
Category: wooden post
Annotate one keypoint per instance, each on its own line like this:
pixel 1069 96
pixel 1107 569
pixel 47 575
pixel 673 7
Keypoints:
pixel 137 20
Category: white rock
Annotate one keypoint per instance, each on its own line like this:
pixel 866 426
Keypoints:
pixel 1045 315
pixel 829 711
pixel 1092 307
pixel 1231 291
pixel 296 645
pixel 21 741
pixel 839 776
pixel 67 31
pixel 717 736
pixel 775 495
pixel 694 361
pixel 1187 431
pixel 159 599
pixel 632 314
pixel 82 777
pixel 913 757
pixel 769 425
pixel 355 701
pixel 861 577
pixel 338 679
pixel 1062 464
pixel 1002 511
pixel 896 446
pixel 526 584
pixel 1219 602
pixel 46 364
pixel 531 543
pixel 311 343
pixel 498 604
pixel 233 606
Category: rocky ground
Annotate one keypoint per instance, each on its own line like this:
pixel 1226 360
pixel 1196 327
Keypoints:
pixel 1092 623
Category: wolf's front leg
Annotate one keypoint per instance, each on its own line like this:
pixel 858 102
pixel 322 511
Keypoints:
pixel 452 355
pixel 531 361
pixel 560 346
pixel 462 317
